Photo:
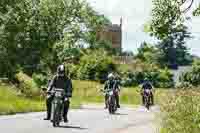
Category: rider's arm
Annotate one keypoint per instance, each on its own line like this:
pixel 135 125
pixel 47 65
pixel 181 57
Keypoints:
pixel 70 88
pixel 51 84
pixel 106 85
pixel 141 88
pixel 118 85
pixel 152 87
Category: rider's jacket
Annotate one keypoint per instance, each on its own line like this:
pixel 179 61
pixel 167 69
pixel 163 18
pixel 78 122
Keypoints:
pixel 62 82
pixel 111 84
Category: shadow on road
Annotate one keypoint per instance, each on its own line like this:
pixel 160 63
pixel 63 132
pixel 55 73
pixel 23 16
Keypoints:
pixel 73 127
pixel 119 114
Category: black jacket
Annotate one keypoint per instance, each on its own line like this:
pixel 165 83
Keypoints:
pixel 62 83
pixel 111 84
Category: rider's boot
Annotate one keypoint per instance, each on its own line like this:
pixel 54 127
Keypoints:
pixel 48 104
pixel 66 108
pixel 47 118
pixel 152 99
pixel 143 100
pixel 106 105
pixel 65 119
pixel 117 100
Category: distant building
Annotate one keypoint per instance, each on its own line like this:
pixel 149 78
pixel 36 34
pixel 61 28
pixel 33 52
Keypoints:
pixel 113 34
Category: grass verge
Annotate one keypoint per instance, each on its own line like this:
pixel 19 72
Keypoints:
pixel 181 112
pixel 11 102
pixel 84 92
pixel 88 92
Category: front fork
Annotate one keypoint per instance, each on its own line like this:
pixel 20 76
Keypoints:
pixel 57 107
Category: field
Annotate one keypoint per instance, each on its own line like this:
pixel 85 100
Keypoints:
pixel 84 92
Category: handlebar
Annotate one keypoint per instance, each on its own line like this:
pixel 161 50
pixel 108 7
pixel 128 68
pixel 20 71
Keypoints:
pixel 106 91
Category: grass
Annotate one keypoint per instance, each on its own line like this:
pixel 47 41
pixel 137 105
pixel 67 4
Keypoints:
pixel 88 92
pixel 11 103
pixel 181 112
pixel 84 92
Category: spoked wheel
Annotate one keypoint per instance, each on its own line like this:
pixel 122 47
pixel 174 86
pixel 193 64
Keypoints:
pixel 110 109
pixel 56 117
pixel 112 105
pixel 147 103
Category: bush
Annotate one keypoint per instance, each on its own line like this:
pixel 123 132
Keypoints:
pixel 193 76
pixel 40 79
pixel 95 66
pixel 161 78
pixel 72 70
pixel 184 85
pixel 27 85
pixel 164 79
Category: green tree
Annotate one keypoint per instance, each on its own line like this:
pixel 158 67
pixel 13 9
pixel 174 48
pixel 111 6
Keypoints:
pixel 30 30
pixel 197 11
pixel 167 26
pixel 147 52
pixel 95 66
pixel 172 50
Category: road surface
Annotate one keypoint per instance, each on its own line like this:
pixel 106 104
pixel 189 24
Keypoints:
pixel 90 119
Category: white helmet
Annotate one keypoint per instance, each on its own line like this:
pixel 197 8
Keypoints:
pixel 111 75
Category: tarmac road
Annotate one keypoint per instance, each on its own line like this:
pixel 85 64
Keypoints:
pixel 90 119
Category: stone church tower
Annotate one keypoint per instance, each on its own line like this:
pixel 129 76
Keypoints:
pixel 113 34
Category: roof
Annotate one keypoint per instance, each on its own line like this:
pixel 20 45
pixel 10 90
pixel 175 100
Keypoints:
pixel 114 27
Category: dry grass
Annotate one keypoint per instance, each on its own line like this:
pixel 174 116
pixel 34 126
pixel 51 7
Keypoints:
pixel 181 110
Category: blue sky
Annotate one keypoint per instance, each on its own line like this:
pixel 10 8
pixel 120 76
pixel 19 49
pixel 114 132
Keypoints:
pixel 135 14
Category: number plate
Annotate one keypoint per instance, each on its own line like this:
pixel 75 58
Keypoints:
pixel 58 94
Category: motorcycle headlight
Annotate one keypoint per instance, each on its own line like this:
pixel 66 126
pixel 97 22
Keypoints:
pixel 147 91
pixel 66 99
pixel 111 93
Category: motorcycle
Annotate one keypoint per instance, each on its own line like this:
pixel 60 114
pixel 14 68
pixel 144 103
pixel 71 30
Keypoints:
pixel 147 98
pixel 57 106
pixel 111 101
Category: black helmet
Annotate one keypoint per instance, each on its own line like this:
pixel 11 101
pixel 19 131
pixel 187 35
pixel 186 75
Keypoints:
pixel 61 70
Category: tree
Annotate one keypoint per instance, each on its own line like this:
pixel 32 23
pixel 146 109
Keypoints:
pixel 197 11
pixel 167 26
pixel 95 66
pixel 172 51
pixel 147 52
pixel 30 29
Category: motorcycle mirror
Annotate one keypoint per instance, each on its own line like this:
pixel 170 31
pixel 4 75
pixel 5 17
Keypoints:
pixel 44 89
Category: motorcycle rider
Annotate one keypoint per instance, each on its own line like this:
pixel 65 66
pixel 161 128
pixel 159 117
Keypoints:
pixel 147 85
pixel 60 80
pixel 111 84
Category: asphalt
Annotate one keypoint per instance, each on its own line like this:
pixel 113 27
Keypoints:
pixel 89 119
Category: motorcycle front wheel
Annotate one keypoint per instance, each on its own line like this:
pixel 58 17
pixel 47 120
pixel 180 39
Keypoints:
pixel 147 102
pixel 56 116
